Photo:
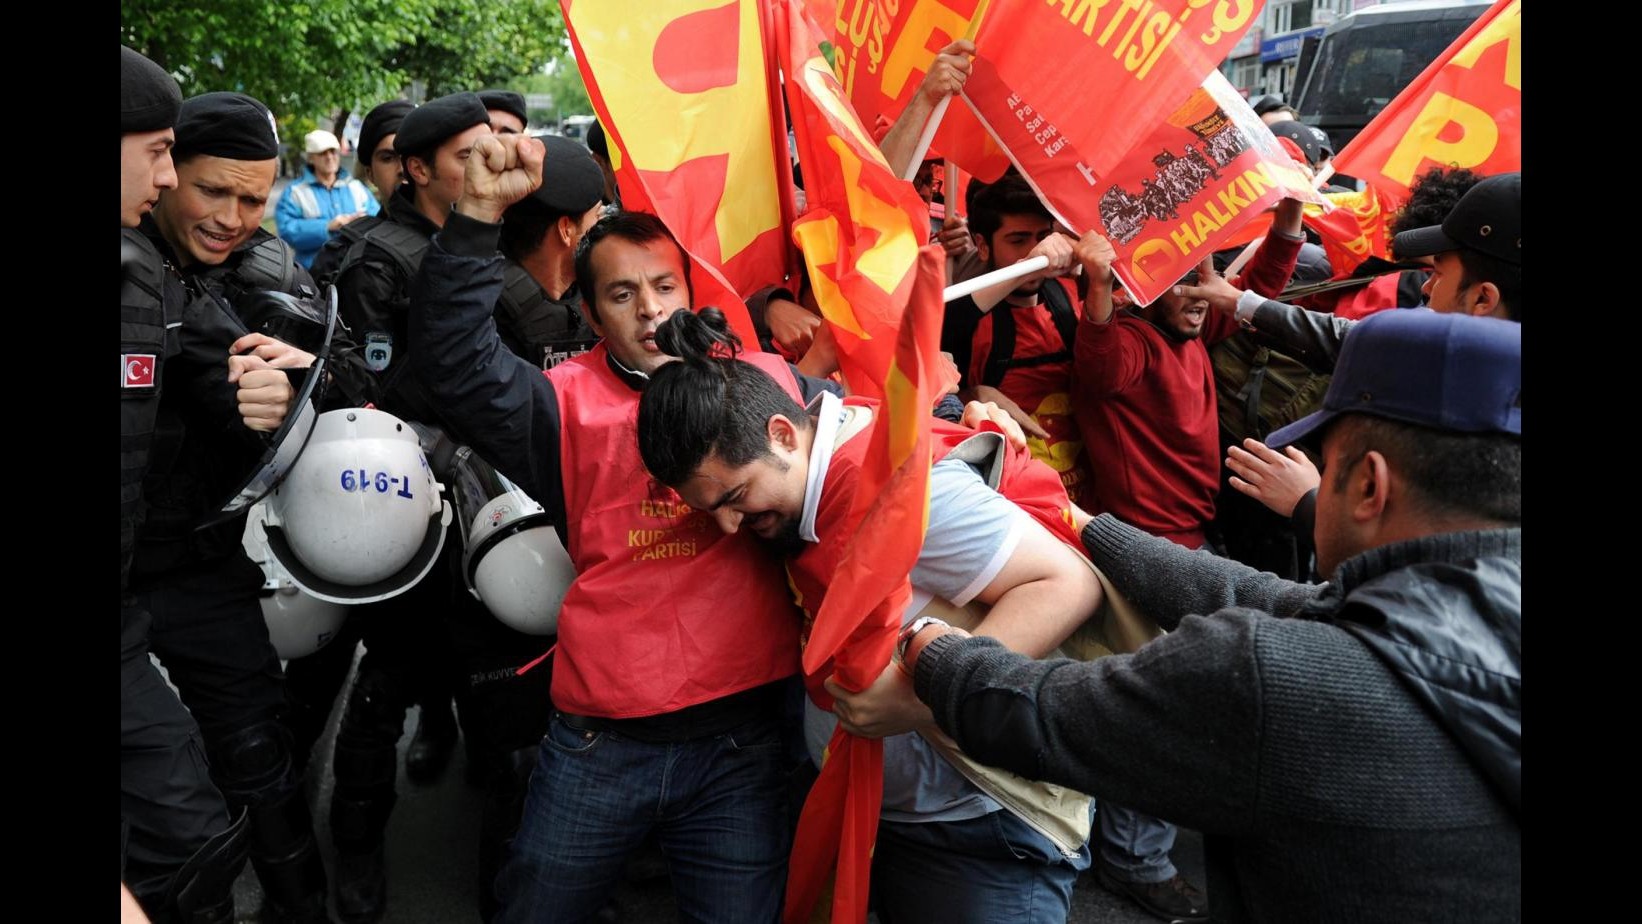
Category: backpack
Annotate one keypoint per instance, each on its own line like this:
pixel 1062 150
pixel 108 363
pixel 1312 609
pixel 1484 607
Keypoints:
pixel 1001 357
pixel 1259 389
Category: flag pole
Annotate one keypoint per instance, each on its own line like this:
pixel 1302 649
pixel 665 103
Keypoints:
pixel 1013 271
pixel 928 137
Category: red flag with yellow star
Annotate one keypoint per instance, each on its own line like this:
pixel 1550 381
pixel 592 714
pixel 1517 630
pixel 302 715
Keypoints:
pixel 879 289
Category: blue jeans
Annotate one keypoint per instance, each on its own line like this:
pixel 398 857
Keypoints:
pixel 1136 846
pixel 718 806
pixel 988 870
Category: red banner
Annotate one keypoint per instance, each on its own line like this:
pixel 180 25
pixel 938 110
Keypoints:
pixel 1209 168
pixel 682 89
pixel 1464 110
pixel 881 297
pixel 1085 80
pixel 880 51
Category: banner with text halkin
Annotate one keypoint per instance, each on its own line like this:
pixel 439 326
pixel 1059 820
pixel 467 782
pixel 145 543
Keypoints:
pixel 1203 172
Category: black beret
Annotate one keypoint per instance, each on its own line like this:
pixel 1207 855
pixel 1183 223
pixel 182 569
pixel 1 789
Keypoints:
pixel 230 125
pixel 149 98
pixel 437 120
pixel 507 101
pixel 380 123
pixel 572 181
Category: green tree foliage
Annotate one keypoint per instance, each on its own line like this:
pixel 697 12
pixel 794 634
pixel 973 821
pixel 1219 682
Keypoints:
pixel 313 56
pixel 563 82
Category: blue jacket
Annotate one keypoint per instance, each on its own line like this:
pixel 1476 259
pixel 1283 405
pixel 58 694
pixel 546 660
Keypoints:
pixel 307 207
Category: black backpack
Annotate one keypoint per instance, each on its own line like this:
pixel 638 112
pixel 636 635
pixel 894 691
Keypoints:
pixel 1001 357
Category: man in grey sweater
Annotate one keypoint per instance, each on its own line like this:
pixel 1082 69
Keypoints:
pixel 1350 751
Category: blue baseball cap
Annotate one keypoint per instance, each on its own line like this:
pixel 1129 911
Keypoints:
pixel 1450 372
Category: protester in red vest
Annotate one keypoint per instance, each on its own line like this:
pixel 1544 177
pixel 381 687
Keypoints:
pixel 671 702
pixel 950 846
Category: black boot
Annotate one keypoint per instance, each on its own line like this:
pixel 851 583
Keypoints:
pixel 434 742
pixel 361 886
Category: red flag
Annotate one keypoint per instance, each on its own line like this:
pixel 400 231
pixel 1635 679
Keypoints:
pixel 683 90
pixel 1464 110
pixel 1084 81
pixel 881 51
pixel 881 297
pixel 1353 227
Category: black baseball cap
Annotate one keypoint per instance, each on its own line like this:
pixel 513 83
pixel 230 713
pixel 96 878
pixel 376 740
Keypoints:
pixel 1487 219
pixel 1313 141
pixel 1271 102
pixel 1452 372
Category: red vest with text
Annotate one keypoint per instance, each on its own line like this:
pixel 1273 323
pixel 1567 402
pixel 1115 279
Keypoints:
pixel 666 610
pixel 1033 486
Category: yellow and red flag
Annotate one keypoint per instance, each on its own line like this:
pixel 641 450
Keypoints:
pixel 685 91
pixel 1464 110
pixel 880 52
pixel 879 288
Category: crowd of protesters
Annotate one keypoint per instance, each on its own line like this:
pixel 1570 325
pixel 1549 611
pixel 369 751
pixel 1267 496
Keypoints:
pixel 1345 733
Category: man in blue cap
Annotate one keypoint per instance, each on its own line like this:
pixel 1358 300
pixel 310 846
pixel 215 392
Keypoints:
pixel 1351 750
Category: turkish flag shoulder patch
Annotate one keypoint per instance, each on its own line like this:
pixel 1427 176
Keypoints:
pixel 137 370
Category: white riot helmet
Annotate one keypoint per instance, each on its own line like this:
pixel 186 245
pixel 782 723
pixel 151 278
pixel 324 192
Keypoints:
pixel 513 559
pixel 299 623
pixel 359 518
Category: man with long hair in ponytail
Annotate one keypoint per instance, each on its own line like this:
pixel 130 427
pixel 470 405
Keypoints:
pixel 957 841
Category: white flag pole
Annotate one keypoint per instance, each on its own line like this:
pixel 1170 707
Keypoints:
pixel 1014 271
pixel 927 138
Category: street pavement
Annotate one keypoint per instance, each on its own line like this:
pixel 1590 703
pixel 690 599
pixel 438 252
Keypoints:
pixel 433 841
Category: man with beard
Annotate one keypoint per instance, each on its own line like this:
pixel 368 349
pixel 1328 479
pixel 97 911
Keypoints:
pixel 953 843
pixel 1143 387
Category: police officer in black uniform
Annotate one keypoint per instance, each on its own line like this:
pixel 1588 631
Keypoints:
pixel 539 317
pixel 405 644
pixel 198 583
pixel 180 848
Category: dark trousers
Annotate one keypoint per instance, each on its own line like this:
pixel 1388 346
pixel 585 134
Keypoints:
pixel 169 807
pixel 209 632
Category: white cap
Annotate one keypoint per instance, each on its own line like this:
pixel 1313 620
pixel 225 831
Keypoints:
pixel 320 140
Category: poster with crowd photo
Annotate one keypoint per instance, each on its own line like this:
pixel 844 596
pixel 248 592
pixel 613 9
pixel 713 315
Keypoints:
pixel 1177 196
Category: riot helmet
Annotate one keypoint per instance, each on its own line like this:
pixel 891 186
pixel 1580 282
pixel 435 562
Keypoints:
pixel 360 516
pixel 299 623
pixel 513 559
